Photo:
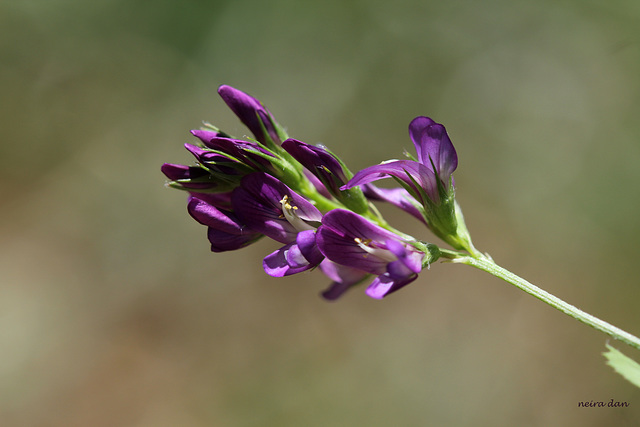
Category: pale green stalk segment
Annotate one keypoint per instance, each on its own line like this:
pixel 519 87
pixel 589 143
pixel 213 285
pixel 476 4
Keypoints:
pixel 490 267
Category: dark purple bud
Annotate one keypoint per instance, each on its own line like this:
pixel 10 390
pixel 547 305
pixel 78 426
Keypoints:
pixel 319 162
pixel 191 177
pixel 205 135
pixel 246 152
pixel 224 168
pixel 226 232
pixel 251 113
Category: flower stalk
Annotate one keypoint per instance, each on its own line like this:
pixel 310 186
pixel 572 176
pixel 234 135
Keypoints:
pixel 486 264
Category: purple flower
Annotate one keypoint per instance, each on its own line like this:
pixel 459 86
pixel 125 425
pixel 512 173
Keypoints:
pixel 428 180
pixel 226 231
pixel 267 205
pixel 252 114
pixel 349 239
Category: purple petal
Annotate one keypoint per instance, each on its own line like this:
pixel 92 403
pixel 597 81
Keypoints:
pixel 336 290
pixel 338 238
pixel 222 241
pixel 306 241
pixel 197 152
pixel 437 146
pixel 211 216
pixel 398 197
pixel 225 232
pixel 416 127
pixel 408 256
pixel 343 278
pixel 250 112
pixel 400 169
pixel 384 285
pixel 318 161
pixel 317 184
pixel 285 261
pixel 351 225
pixel 432 142
pixel 218 200
pixel 295 258
pixel 192 177
pixel 257 203
pixel 205 135
pixel 398 271
pixel 175 172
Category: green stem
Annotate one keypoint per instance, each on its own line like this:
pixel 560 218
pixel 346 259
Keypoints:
pixel 485 264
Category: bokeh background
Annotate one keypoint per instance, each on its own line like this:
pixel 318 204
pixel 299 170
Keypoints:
pixel 113 312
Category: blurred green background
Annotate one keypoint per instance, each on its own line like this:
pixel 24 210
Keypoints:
pixel 113 312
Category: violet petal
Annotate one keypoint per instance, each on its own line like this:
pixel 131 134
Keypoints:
pixel 250 111
pixel 306 241
pixel 318 161
pixel 343 278
pixel 410 257
pixel 339 236
pixel 205 135
pixel 399 197
pixel 258 203
pixel 222 241
pixel 384 285
pixel 437 146
pixel 416 127
pixel 277 265
pixel 423 176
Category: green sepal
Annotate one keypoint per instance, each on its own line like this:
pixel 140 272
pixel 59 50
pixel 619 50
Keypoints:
pixel 269 142
pixel 412 192
pixel 233 163
pixel 354 199
pixel 431 252
pixel 281 168
pixel 347 172
pixel 410 156
pixel 221 188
